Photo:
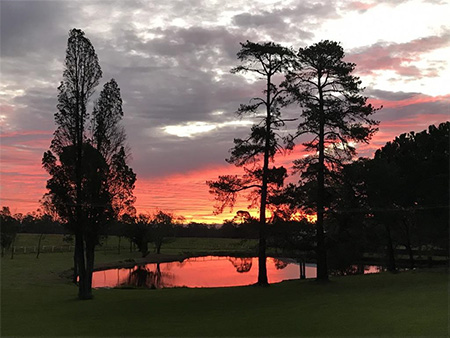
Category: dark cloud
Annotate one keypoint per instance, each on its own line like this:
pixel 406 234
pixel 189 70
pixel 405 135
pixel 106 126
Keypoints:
pixel 267 19
pixel 304 13
pixel 389 96
pixel 33 27
pixel 281 23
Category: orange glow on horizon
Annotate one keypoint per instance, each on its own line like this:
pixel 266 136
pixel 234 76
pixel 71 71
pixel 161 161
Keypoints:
pixel 186 194
pixel 299 215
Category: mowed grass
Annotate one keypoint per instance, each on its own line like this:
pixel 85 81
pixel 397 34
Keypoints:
pixel 37 302
pixel 111 243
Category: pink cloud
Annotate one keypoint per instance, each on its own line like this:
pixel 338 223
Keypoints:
pixel 360 6
pixel 6 109
pixel 415 99
pixel 396 56
pixel 21 133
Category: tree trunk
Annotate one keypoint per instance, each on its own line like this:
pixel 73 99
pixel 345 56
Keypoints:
pixel 262 267
pixel 75 267
pixel 80 109
pixel 90 253
pixel 39 246
pixel 118 247
pixel 360 268
pixel 83 293
pixel 158 279
pixel 390 250
pixel 302 269
pixel 408 244
pixel 158 248
pixel 143 248
pixel 322 268
pixel 12 249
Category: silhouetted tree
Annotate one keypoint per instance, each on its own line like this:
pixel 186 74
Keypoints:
pixel 266 60
pixel 96 210
pixel 138 231
pixel 43 225
pixel 161 227
pixel 108 137
pixel 381 188
pixel 91 182
pixel 242 216
pixel 80 77
pixel 335 113
pixel 9 228
pixel 351 231
pixel 407 188
pixel 293 239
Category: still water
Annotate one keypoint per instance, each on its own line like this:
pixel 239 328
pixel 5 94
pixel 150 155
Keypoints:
pixel 198 272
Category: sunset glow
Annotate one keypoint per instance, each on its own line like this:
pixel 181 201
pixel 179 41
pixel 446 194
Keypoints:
pixel 172 63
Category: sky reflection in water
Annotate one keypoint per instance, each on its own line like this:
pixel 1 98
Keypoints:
pixel 208 271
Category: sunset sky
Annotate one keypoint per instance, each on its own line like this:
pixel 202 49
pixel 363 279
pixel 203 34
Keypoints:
pixel 172 61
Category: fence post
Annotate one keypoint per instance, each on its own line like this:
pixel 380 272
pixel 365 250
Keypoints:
pixel 53 248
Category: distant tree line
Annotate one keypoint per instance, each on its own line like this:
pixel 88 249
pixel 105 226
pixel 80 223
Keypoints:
pixel 400 197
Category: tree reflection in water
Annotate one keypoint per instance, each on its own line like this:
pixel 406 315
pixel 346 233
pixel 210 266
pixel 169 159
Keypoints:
pixel 241 264
pixel 143 276
pixel 210 271
pixel 279 264
pixel 357 270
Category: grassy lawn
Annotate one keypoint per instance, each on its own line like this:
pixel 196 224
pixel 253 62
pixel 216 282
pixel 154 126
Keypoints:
pixel 173 246
pixel 37 302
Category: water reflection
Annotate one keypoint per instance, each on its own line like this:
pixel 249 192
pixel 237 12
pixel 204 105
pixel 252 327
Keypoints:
pixel 208 271
pixel 144 276
pixel 357 270
pixel 279 264
pixel 241 264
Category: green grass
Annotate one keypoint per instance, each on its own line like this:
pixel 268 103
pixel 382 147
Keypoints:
pixel 32 240
pixel 37 302
pixel 173 246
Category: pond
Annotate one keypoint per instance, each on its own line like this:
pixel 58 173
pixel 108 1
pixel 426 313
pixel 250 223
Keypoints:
pixel 201 272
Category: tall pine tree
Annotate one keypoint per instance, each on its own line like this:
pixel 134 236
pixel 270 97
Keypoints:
pixel 266 60
pixel 335 113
